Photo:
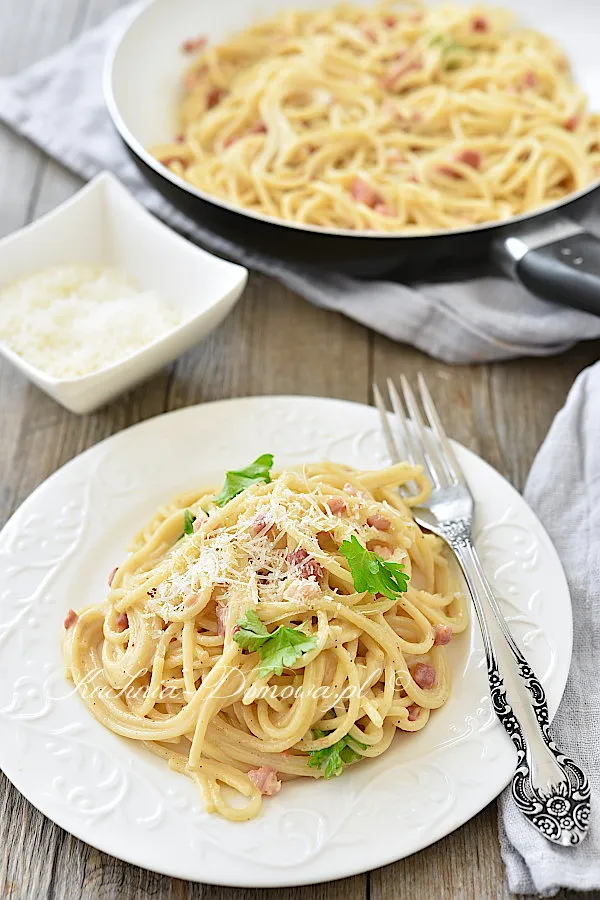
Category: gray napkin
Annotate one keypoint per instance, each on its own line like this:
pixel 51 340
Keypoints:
pixel 476 316
pixel 564 489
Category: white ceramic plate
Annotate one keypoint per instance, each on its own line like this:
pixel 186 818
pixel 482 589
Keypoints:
pixel 56 552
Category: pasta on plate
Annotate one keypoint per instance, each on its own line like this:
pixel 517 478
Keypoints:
pixel 395 118
pixel 287 626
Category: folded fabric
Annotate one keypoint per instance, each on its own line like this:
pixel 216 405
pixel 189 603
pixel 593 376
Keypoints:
pixel 474 316
pixel 564 489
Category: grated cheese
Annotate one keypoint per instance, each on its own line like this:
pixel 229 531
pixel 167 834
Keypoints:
pixel 72 320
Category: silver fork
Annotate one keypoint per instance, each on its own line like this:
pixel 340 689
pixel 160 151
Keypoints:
pixel 548 787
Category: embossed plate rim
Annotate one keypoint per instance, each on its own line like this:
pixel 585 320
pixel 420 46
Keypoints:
pixel 438 785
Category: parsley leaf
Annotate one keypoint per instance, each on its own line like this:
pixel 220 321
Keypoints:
pixel 188 522
pixel 237 481
pixel 250 632
pixel 372 573
pixel 278 649
pixel 284 647
pixel 334 758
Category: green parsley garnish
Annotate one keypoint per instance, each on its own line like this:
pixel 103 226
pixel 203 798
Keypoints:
pixel 277 649
pixel 446 43
pixel 372 573
pixel 334 758
pixel 238 481
pixel 188 522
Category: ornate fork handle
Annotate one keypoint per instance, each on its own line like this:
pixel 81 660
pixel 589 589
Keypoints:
pixel 548 787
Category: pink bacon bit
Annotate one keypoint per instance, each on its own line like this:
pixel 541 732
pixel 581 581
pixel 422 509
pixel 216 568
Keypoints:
pixel 266 780
pixel 198 523
pixel 398 70
pixel 413 712
pixel 571 123
pixel 193 44
pixel 469 157
pixel 111 575
pixel 381 550
pixel 364 193
pixel 353 491
pixel 337 506
pixel 379 522
pixel 221 619
pixel 390 21
pixel 262 524
pixel 442 634
pixel 530 79
pixel 369 32
pixel 480 24
pixel 258 128
pixel 305 565
pixel 70 619
pixel 122 622
pixel 424 675
pixel 384 209
pixel 214 96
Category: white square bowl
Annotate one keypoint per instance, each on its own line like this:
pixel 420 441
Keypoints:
pixel 103 225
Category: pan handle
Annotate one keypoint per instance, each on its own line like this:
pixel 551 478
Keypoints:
pixel 559 262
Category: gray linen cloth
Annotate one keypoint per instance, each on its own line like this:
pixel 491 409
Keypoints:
pixel 58 104
pixel 473 316
pixel 564 489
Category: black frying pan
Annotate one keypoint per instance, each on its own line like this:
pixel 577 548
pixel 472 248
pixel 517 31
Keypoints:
pixel 548 251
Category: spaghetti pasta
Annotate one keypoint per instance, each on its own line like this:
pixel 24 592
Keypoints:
pixel 237 643
pixel 395 118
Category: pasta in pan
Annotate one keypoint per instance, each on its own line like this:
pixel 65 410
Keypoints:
pixel 289 626
pixel 395 118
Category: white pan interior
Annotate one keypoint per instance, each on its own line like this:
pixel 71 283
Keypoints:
pixel 143 73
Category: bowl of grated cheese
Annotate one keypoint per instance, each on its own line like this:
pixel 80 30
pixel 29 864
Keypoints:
pixel 98 295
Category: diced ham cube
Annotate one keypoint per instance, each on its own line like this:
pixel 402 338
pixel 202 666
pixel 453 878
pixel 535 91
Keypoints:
pixel 369 32
pixel 480 23
pixel 337 506
pixel 381 550
pixel 261 525
pixel 122 622
pixel 398 70
pixel 221 618
pixel 111 575
pixel 571 123
pixel 424 675
pixel 379 522
pixel 70 619
pixel 469 157
pixel 193 44
pixel 364 193
pixel 258 128
pixel 413 712
pixel 390 21
pixel 442 634
pixel 304 589
pixel 266 780
pixel 215 95
pixel 304 565
pixel 530 79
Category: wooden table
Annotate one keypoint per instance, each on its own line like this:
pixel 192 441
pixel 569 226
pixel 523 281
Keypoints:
pixel 500 411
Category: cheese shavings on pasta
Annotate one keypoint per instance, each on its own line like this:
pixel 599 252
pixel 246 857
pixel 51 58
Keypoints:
pixel 249 643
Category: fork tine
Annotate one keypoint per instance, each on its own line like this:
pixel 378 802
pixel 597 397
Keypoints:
pixel 432 457
pixel 448 457
pixel 385 425
pixel 413 452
